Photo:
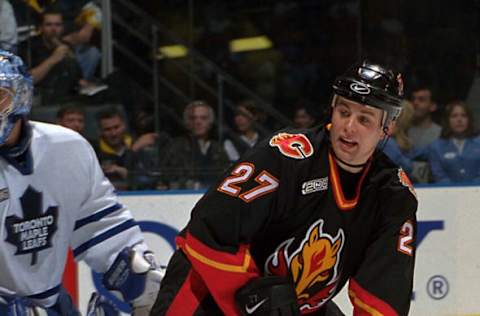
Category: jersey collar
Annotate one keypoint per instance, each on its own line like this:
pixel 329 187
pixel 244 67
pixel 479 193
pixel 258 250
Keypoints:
pixel 342 202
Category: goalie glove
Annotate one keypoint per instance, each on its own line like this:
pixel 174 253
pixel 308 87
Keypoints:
pixel 135 278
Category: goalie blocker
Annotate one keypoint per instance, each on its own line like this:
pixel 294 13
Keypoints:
pixel 135 278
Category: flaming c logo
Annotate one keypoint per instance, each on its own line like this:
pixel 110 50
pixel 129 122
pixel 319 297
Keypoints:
pixel 313 265
pixel 292 145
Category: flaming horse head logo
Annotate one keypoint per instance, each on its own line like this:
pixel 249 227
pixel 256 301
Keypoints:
pixel 313 265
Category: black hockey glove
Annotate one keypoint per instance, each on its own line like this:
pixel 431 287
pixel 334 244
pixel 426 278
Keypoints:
pixel 268 296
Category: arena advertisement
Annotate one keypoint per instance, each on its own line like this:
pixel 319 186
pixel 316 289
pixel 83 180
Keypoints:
pixel 447 263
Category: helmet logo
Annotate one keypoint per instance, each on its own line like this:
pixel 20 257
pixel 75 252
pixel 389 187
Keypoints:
pixel 360 88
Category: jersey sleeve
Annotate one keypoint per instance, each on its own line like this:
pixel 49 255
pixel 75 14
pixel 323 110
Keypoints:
pixel 383 283
pixel 225 221
pixel 103 226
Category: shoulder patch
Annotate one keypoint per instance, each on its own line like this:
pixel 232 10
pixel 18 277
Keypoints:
pixel 405 181
pixel 295 146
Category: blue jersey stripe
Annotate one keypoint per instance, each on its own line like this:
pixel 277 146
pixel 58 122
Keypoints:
pixel 95 217
pixel 104 236
pixel 46 294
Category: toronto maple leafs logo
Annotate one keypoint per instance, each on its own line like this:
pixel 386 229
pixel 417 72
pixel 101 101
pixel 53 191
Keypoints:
pixel 34 231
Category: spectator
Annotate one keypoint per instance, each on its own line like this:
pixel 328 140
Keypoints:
pixel 149 147
pixel 398 146
pixel 114 147
pixel 82 22
pixel 423 130
pixel 247 118
pixel 455 156
pixel 55 71
pixel 72 117
pixel 8 27
pixel 196 159
pixel 304 117
pixel 87 26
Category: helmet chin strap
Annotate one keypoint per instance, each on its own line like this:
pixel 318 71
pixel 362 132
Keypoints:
pixel 348 164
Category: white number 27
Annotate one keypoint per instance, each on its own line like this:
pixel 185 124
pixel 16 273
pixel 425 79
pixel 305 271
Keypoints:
pixel 242 173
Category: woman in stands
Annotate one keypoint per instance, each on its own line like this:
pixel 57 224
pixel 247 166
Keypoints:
pixel 455 156
pixel 247 119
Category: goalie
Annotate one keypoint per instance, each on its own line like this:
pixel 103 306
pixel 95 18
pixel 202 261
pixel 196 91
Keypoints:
pixel 53 195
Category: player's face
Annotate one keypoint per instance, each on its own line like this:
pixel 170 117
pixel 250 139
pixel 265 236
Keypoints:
pixel 52 26
pixel 200 121
pixel 458 120
pixel 113 130
pixel 356 130
pixel 73 121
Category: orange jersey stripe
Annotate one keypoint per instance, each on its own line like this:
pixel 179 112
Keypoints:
pixel 343 203
pixel 365 303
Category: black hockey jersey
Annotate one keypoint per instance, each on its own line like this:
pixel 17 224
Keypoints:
pixel 281 210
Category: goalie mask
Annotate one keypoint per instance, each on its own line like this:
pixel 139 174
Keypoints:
pixel 16 91
pixel 372 84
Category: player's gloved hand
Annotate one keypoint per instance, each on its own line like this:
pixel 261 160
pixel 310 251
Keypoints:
pixel 268 296
pixel 135 278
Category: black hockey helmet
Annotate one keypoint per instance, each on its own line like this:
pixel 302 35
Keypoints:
pixel 372 84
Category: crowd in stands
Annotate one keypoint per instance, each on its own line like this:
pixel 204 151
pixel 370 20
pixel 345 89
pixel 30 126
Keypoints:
pixel 430 153
pixel 432 142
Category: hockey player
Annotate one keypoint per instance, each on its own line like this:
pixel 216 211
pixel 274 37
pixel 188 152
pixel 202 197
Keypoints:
pixel 53 195
pixel 303 213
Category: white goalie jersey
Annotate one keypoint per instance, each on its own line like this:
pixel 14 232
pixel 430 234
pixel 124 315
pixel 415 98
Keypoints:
pixel 65 202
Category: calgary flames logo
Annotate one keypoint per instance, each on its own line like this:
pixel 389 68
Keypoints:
pixel 313 266
pixel 292 145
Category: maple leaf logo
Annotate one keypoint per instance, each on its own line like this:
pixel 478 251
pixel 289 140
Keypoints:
pixel 34 231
